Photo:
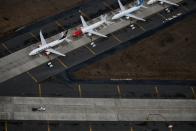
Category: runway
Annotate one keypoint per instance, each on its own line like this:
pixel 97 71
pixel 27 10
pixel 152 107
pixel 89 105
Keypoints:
pixel 84 109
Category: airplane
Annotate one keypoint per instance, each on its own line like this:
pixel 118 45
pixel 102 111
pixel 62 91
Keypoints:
pixel 90 29
pixel 127 12
pixel 161 1
pixel 47 47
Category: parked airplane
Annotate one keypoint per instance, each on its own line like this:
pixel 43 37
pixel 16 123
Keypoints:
pixel 127 12
pixel 161 1
pixel 47 47
pixel 90 29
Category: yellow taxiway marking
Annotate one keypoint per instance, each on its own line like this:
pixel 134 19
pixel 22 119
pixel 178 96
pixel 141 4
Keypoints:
pixel 32 77
pixel 119 91
pixel 39 90
pixel 5 126
pixel 90 50
pixel 193 91
pixel 59 25
pixel 116 38
pixel 62 63
pixel 79 90
pixel 140 27
pixel 49 126
pixel 90 128
pixel 157 91
pixel 170 129
pixel 34 36
pixel 4 45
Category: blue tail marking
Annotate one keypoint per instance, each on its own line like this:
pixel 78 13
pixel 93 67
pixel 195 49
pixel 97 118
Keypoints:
pixel 140 2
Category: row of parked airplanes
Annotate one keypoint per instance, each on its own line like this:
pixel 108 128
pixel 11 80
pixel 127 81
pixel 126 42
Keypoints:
pixel 90 29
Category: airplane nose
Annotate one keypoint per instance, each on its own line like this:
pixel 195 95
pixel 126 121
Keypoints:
pixel 148 3
pixel 114 17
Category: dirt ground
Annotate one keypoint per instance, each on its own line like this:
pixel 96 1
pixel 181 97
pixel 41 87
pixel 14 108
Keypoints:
pixel 170 54
pixel 16 13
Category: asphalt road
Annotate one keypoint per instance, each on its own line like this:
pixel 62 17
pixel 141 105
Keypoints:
pixel 95 126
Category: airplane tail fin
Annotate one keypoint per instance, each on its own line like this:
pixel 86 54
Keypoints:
pixel 43 41
pixel 65 35
pixel 104 19
pixel 140 2
pixel 122 8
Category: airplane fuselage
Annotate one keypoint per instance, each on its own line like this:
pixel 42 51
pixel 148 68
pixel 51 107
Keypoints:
pixel 151 2
pixel 126 12
pixel 45 47
pixel 161 1
pixel 91 27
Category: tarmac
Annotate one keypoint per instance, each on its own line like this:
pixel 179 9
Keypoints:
pixel 48 84
pixel 59 87
pixel 19 62
pixel 95 126
pixel 43 81
pixel 84 109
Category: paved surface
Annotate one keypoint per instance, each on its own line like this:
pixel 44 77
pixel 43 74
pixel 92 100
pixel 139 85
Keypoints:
pixel 58 87
pixel 19 62
pixel 87 52
pixel 63 20
pixel 77 109
pixel 34 82
pixel 94 126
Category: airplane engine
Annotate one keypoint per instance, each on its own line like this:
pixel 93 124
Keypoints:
pixel 127 17
pixel 89 34
pixel 47 53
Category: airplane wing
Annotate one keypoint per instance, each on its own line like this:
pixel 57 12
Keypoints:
pixel 43 41
pixel 54 52
pixel 135 17
pixel 83 21
pixel 121 6
pixel 168 2
pixel 96 33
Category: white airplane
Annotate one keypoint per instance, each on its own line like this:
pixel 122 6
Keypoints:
pixel 90 29
pixel 47 47
pixel 127 12
pixel 161 1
